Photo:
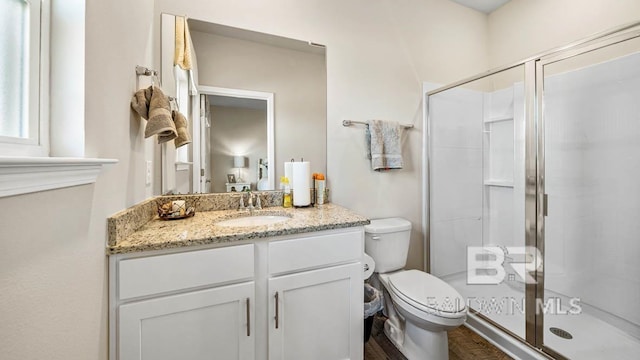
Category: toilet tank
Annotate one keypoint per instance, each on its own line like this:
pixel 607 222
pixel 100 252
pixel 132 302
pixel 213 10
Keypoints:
pixel 387 242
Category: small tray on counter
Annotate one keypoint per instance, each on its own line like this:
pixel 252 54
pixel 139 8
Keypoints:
pixel 176 209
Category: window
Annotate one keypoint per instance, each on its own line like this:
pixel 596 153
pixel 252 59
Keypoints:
pixel 42 146
pixel 21 121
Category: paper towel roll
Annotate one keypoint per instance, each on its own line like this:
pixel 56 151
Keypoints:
pixel 301 173
pixel 288 171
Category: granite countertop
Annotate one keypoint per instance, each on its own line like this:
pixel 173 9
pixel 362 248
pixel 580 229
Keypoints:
pixel 201 229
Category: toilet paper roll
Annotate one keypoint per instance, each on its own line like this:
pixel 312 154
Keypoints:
pixel 301 183
pixel 369 266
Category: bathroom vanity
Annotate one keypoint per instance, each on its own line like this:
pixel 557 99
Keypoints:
pixel 290 290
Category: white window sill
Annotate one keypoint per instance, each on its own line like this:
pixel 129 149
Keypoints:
pixel 22 175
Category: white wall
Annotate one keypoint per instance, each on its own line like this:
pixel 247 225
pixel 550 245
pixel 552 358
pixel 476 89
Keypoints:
pixel 53 278
pixel 523 28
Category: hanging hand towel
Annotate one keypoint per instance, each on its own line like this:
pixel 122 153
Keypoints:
pixel 384 145
pixel 160 121
pixel 183 44
pixel 183 49
pixel 181 127
pixel 140 102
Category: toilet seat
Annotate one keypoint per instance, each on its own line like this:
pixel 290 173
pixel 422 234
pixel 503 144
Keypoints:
pixel 427 293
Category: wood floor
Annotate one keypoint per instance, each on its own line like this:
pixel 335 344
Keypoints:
pixel 464 344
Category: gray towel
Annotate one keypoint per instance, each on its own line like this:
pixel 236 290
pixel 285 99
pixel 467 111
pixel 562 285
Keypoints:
pixel 384 145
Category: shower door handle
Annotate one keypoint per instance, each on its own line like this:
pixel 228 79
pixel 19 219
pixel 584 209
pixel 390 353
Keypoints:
pixel 545 205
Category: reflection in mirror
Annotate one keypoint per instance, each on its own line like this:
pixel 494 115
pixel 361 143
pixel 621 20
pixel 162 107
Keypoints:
pixel 293 71
pixel 235 141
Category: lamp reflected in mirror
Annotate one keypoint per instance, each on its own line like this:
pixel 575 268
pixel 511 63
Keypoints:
pixel 239 163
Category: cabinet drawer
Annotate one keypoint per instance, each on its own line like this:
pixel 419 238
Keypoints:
pixel 163 273
pixel 315 251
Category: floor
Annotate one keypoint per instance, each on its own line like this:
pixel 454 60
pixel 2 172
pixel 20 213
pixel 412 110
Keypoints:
pixel 463 344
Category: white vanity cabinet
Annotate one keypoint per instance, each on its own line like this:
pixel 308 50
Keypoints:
pixel 221 303
pixel 193 325
pixel 316 298
pixel 185 305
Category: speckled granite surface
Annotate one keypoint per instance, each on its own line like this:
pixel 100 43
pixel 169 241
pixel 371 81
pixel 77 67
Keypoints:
pixel 124 223
pixel 202 229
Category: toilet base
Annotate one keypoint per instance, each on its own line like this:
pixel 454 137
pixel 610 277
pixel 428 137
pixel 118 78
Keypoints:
pixel 416 343
pixel 416 338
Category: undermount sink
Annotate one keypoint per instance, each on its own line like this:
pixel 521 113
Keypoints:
pixel 257 220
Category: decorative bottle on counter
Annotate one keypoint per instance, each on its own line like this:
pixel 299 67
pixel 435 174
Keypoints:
pixel 286 193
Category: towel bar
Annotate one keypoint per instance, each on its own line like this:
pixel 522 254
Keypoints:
pixel 141 70
pixel 144 71
pixel 351 122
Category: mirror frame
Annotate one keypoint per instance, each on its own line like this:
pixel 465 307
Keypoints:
pixel 197 130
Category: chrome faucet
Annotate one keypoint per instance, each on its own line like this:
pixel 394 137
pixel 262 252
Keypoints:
pixel 253 201
pixel 258 205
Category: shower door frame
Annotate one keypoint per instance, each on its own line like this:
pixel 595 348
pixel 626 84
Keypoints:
pixel 535 197
pixel 611 40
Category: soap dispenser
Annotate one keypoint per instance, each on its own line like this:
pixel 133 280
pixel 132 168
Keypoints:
pixel 286 193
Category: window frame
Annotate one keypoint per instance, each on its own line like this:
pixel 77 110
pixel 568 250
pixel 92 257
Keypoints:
pixel 37 91
pixel 54 158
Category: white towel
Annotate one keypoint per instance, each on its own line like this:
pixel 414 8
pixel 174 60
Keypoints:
pixel 384 145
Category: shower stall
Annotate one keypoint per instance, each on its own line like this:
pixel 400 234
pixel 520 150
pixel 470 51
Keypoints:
pixel 533 201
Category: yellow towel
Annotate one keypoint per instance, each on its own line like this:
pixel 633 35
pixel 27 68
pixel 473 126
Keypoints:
pixel 182 56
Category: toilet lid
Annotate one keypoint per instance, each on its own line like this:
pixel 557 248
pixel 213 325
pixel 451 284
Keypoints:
pixel 428 291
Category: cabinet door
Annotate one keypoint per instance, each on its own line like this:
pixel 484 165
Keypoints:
pixel 207 324
pixel 317 314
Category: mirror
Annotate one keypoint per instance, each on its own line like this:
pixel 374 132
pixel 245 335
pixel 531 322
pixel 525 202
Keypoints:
pixel 241 77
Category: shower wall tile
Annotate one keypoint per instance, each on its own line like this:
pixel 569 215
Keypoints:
pixel 449 252
pixel 457 174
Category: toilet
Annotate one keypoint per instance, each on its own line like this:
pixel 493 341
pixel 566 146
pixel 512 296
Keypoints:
pixel 420 307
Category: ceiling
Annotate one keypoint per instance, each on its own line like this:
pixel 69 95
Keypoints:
pixel 485 6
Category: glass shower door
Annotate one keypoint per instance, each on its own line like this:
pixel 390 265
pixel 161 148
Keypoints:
pixel 590 157
pixel 476 179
